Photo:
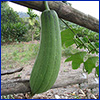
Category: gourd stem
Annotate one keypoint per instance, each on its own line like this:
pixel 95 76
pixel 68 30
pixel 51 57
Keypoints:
pixel 46 5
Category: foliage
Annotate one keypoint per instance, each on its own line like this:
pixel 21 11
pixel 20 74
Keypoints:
pixel 12 27
pixel 31 14
pixel 80 31
pixel 8 15
pixel 34 24
pixel 13 32
pixel 90 63
pixel 84 39
pixel 67 37
pixel 76 59
pixel 62 25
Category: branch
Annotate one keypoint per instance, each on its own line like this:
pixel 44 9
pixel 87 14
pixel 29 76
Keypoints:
pixel 11 71
pixel 22 85
pixel 19 85
pixel 65 12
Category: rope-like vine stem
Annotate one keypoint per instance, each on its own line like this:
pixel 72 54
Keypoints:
pixel 46 5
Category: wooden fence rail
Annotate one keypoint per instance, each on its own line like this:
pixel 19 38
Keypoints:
pixel 65 12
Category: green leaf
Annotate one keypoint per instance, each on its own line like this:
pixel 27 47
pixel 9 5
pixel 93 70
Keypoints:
pixel 97 44
pixel 90 63
pixel 97 70
pixel 92 44
pixel 85 39
pixel 76 59
pixel 67 37
pixel 78 42
pixel 90 47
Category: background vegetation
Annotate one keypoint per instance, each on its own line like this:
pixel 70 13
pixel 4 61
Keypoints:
pixel 17 28
pixel 24 27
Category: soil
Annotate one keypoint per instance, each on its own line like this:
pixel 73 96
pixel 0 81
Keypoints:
pixel 71 91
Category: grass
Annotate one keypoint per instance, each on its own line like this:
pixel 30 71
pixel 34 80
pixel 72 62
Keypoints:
pixel 17 55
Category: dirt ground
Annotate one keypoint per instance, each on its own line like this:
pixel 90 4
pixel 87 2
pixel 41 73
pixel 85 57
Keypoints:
pixel 71 90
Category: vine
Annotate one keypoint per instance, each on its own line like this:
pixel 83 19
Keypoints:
pixel 46 5
pixel 69 37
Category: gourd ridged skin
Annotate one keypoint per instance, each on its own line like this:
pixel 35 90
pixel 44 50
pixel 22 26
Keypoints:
pixel 47 64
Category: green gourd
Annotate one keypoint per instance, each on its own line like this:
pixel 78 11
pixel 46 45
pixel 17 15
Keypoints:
pixel 47 64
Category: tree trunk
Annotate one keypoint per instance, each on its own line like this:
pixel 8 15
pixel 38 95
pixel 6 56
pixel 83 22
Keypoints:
pixel 65 12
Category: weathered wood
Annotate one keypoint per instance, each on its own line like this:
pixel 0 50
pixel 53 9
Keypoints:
pixel 11 71
pixel 65 12
pixel 14 86
pixel 22 86
pixel 93 82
